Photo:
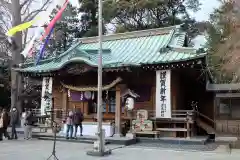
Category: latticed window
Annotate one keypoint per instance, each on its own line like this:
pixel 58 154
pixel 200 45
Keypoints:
pixel 112 104
pixel 59 114
pixel 228 108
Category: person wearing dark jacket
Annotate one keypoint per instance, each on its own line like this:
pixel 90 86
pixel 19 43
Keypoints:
pixel 13 122
pixel 1 124
pixel 77 121
pixel 5 123
pixel 29 123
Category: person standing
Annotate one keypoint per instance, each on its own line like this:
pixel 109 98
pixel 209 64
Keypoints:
pixel 5 118
pixel 23 117
pixel 69 123
pixel 77 120
pixel 29 122
pixel 14 121
pixel 1 125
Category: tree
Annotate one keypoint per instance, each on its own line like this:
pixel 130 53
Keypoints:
pixel 75 23
pixel 66 30
pixel 5 85
pixel 89 18
pixel 131 15
pixel 17 12
pixel 224 43
pixel 4 60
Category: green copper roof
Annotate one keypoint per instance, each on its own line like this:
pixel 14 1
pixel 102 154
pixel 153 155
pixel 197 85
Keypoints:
pixel 155 46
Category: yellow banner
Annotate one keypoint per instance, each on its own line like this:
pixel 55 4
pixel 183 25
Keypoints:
pixel 20 27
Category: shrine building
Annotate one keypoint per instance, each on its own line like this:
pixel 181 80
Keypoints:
pixel 156 67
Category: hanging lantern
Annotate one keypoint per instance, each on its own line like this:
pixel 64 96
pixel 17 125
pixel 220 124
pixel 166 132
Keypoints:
pixel 129 103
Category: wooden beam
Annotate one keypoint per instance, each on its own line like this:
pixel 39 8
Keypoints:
pixel 223 87
pixel 227 95
pixel 118 113
pixel 65 100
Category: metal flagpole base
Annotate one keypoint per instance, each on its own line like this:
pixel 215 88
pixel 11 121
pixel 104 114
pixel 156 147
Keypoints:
pixel 131 135
pixel 98 153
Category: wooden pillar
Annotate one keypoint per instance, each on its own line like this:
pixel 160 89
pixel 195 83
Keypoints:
pixel 118 112
pixel 64 101
pixel 188 126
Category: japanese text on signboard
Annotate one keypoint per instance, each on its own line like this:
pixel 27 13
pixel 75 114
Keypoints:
pixel 48 101
pixel 163 92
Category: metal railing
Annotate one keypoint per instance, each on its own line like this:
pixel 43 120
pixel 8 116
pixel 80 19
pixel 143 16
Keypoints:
pixel 225 128
pixel 181 114
pixel 57 114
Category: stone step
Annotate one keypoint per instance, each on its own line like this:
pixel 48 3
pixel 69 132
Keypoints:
pixel 112 140
pixel 69 140
pixel 175 140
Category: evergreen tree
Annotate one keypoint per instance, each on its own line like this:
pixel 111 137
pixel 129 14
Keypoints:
pixel 131 15
pixel 75 23
pixel 89 18
pixel 223 43
pixel 65 30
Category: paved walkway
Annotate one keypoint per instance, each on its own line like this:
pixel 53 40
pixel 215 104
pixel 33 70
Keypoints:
pixel 40 150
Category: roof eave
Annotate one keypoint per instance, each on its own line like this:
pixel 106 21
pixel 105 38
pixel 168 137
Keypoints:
pixel 107 66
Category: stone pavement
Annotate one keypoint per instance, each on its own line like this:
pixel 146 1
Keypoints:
pixel 40 150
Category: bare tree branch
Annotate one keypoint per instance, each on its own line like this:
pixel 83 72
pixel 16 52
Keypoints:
pixel 5 4
pixel 26 6
pixel 25 2
pixel 5 13
pixel 34 13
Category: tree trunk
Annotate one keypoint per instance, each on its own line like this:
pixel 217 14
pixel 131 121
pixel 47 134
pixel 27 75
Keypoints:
pixel 16 78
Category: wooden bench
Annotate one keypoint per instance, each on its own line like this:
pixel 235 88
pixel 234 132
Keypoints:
pixel 155 133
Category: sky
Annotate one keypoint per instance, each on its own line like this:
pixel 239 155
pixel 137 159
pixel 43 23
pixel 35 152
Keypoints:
pixel 207 8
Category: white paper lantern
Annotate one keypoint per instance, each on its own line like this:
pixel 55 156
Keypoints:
pixel 130 103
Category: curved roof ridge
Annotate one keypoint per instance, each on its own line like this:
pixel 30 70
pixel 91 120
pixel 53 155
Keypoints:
pixel 52 58
pixel 133 34
pixel 178 38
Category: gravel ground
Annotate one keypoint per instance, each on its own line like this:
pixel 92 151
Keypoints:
pixel 40 150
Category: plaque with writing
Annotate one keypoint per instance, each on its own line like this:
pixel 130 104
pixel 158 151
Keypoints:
pixel 163 94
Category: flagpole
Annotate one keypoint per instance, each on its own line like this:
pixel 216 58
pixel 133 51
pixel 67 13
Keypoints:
pixel 99 102
pixel 101 142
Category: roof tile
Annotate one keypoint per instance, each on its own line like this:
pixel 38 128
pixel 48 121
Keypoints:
pixel 128 49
